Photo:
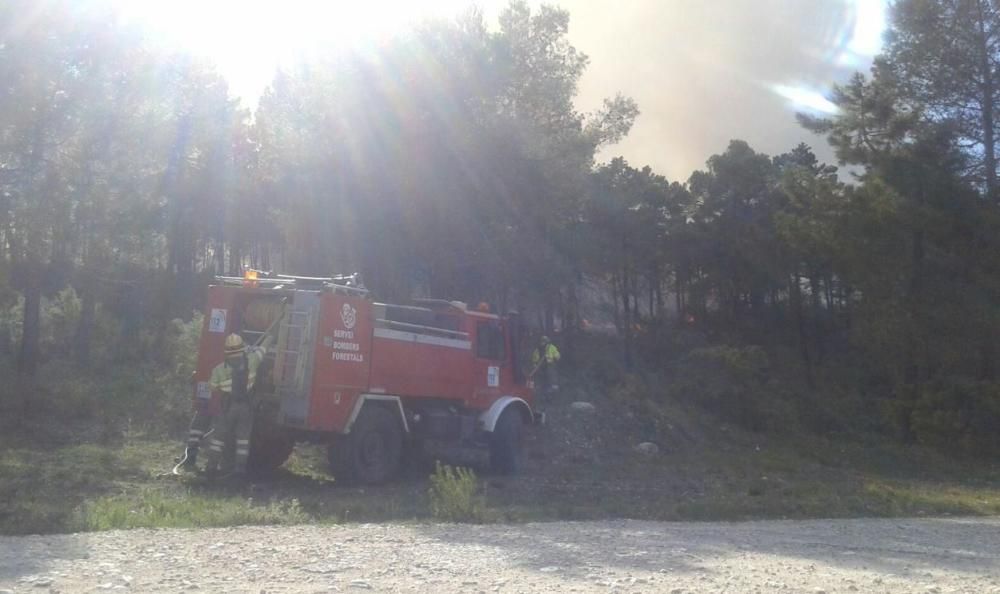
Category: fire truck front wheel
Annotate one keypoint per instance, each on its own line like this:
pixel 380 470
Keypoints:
pixel 370 454
pixel 505 442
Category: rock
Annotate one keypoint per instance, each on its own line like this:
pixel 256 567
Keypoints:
pixel 648 448
pixel 361 584
pixel 584 407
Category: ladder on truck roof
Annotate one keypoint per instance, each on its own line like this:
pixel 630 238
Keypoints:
pixel 294 357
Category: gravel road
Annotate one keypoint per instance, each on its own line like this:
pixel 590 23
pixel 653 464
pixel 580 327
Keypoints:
pixel 924 556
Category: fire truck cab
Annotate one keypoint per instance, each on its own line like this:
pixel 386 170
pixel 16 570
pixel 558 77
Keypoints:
pixel 369 379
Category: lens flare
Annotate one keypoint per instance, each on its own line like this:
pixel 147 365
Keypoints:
pixel 855 38
pixel 807 99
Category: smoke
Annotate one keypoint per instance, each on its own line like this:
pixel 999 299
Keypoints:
pixel 706 72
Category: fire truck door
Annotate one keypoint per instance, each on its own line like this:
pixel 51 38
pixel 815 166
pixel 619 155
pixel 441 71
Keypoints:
pixel 294 359
pixel 488 360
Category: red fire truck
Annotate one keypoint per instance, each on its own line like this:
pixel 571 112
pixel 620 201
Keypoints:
pixel 369 379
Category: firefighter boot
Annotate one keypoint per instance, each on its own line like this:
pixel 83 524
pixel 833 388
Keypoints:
pixel 190 458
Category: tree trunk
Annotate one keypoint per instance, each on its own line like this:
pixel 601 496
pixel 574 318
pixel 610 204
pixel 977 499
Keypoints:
pixel 800 323
pixel 636 315
pixel 659 297
pixel 220 258
pixel 550 315
pixel 27 359
pixel 571 323
pixel 987 104
pixel 651 299
pixel 626 318
pixel 235 261
pixel 817 314
pixel 987 354
pixel 614 300
pixel 912 367
pixel 81 338
pixel 679 295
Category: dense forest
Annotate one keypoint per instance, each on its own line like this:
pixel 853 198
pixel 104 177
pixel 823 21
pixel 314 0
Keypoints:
pixel 453 163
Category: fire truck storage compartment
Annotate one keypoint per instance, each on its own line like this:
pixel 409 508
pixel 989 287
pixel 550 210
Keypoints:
pixel 443 423
pixel 420 351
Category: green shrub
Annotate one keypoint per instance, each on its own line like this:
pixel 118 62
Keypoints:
pixel 150 508
pixel 59 315
pixel 956 414
pixel 180 345
pixel 454 495
pixel 736 384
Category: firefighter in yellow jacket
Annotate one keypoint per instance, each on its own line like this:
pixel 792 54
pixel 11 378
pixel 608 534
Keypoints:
pixel 543 361
pixel 235 379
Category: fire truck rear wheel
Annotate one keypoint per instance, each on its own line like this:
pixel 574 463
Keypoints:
pixel 505 443
pixel 270 447
pixel 370 454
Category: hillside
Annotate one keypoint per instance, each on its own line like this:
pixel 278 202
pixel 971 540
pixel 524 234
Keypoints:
pixel 63 475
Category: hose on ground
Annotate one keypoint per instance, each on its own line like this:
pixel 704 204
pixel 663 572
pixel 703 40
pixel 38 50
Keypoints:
pixel 176 471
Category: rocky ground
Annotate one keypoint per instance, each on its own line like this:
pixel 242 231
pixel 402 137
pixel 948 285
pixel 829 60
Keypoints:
pixel 926 556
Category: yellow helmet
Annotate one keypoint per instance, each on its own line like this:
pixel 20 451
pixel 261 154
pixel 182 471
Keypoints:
pixel 234 345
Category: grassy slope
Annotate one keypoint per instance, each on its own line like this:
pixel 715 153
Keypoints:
pixel 69 477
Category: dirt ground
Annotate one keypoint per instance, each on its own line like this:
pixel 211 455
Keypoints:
pixel 953 555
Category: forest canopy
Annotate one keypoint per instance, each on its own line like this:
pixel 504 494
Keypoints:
pixel 453 163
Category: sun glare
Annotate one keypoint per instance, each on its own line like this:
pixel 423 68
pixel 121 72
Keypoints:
pixel 860 39
pixel 869 25
pixel 248 40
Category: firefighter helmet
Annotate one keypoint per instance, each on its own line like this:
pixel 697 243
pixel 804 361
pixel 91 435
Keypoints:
pixel 234 345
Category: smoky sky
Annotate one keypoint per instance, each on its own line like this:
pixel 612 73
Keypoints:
pixel 702 71
pixel 705 72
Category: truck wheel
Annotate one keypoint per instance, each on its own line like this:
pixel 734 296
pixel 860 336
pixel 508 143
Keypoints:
pixel 371 452
pixel 505 443
pixel 270 446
